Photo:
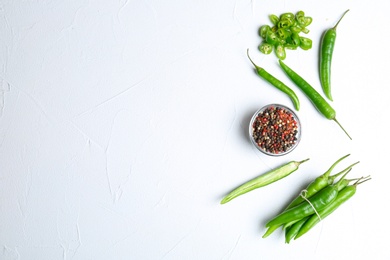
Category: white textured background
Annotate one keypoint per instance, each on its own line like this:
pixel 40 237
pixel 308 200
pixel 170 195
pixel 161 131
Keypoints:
pixel 123 123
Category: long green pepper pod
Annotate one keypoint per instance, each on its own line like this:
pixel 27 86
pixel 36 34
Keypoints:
pixel 326 53
pixel 316 99
pixel 264 179
pixel 276 83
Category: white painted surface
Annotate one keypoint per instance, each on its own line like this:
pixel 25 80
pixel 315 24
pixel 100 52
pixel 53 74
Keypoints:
pixel 124 123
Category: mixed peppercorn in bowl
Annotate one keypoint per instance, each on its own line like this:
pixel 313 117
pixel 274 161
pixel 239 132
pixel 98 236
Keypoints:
pixel 275 130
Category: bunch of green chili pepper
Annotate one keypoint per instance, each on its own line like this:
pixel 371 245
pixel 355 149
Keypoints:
pixel 321 197
pixel 307 223
pixel 284 34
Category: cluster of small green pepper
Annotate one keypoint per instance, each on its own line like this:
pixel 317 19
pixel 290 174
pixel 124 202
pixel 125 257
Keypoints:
pixel 320 198
pixel 284 34
pixel 317 201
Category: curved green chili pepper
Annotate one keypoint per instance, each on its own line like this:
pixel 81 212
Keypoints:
pixel 326 53
pixel 292 231
pixel 316 99
pixel 276 83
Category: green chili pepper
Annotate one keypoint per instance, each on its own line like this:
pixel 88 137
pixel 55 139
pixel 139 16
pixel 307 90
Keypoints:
pixel 344 195
pixel 326 53
pixel 299 14
pixel 317 202
pixel 271 37
pixel 289 16
pixel 283 34
pixel 305 30
pixel 265 48
pixel 317 100
pixel 294 39
pixel 295 29
pixel 263 31
pixel 305 43
pixel 280 52
pixel 292 231
pixel 301 21
pixel 308 21
pixel 270 230
pixel 285 23
pixel 276 83
pixel 290 46
pixel 264 179
pixel 274 19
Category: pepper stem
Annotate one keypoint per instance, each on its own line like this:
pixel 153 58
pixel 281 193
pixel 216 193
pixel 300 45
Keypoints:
pixel 257 67
pixel 334 28
pixel 303 161
pixel 342 128
pixel 340 181
pixel 361 180
pixel 326 174
pixel 333 177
